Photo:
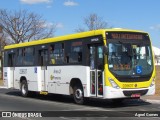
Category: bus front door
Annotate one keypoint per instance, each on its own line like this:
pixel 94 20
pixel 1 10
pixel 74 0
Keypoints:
pixel 43 60
pixel 96 70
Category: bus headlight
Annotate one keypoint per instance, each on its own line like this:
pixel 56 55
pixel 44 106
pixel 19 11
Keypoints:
pixel 114 85
pixel 153 82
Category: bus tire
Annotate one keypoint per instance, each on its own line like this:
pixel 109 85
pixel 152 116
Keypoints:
pixel 78 95
pixel 24 88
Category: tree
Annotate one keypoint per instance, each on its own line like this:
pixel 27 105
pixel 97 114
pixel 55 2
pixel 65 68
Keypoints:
pixel 93 22
pixel 23 26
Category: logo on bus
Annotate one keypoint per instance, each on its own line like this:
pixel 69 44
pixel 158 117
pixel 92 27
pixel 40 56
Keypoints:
pixel 51 77
pixel 94 40
pixel 138 69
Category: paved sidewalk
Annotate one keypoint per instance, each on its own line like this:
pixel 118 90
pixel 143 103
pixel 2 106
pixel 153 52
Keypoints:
pixel 155 99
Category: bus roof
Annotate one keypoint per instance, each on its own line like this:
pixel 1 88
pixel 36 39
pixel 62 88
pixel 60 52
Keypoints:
pixel 69 37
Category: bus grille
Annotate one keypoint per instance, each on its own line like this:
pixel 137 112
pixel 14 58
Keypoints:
pixel 129 93
pixel 134 79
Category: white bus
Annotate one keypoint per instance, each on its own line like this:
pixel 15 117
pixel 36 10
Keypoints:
pixel 105 64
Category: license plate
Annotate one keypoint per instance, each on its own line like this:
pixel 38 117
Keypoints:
pixel 135 95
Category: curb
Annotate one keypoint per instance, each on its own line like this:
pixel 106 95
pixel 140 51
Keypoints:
pixel 152 101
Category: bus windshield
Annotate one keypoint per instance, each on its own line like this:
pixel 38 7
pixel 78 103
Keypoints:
pixel 130 57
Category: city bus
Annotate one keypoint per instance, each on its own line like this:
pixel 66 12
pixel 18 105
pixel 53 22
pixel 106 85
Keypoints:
pixel 104 64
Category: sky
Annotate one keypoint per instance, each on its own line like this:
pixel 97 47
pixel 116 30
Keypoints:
pixel 69 14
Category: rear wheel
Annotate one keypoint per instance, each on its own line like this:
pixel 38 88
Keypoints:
pixel 24 88
pixel 78 95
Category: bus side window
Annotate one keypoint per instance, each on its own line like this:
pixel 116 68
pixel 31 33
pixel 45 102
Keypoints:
pixel 19 57
pixel 43 57
pixel 10 60
pixel 75 53
pixel 57 53
pixel 41 60
pixel 52 58
pixel 5 59
pixel 28 56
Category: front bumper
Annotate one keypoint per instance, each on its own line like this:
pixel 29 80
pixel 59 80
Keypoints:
pixel 112 93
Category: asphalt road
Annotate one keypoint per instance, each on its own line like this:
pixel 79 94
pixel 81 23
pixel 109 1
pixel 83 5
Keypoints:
pixel 63 108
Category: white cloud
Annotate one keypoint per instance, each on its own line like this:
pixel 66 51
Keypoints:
pixel 50 24
pixel 43 24
pixel 70 3
pixel 59 25
pixel 35 1
pixel 155 27
pixel 48 6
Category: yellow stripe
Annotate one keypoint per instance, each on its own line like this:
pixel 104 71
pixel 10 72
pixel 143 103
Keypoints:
pixel 43 92
pixel 68 37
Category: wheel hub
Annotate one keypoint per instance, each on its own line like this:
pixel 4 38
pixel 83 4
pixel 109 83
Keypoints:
pixel 78 94
pixel 23 89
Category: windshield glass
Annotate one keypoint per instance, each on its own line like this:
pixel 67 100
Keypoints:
pixel 130 58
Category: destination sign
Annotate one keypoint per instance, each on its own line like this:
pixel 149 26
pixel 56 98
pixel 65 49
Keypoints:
pixel 126 36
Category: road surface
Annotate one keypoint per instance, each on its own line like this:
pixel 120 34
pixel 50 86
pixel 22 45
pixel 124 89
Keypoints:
pixel 63 108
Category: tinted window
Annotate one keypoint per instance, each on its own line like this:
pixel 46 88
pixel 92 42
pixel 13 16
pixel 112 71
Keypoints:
pixel 56 53
pixel 74 54
pixel 19 57
pixel 5 59
pixel 29 56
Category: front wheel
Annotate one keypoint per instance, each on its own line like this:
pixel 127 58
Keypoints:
pixel 78 95
pixel 24 88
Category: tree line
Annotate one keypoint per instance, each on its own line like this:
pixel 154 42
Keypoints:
pixel 24 26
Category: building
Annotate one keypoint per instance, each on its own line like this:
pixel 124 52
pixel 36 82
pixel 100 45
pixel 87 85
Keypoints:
pixel 157 55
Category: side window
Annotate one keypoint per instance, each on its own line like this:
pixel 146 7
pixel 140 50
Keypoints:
pixel 43 57
pixel 5 59
pixel 51 54
pixel 74 55
pixel 9 58
pixel 29 54
pixel 19 57
pixel 56 52
pixel 100 57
